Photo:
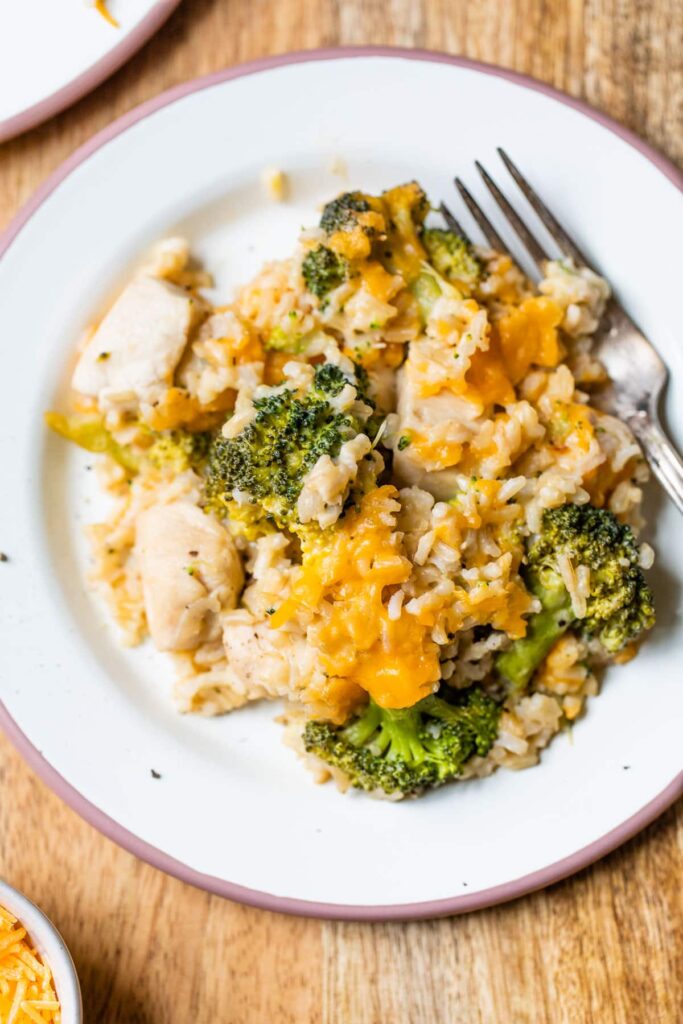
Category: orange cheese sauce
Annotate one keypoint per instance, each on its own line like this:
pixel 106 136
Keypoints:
pixel 487 379
pixel 438 452
pixel 379 282
pixel 571 427
pixel 348 581
pixel 179 409
pixel 528 337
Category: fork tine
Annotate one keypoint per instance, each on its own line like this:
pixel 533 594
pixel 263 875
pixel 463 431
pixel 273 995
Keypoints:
pixel 453 223
pixel 492 236
pixel 555 229
pixel 530 242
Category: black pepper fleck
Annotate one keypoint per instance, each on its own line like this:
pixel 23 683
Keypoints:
pixel 155 775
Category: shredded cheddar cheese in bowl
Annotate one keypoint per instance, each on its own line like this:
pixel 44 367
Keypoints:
pixel 373 485
pixel 27 992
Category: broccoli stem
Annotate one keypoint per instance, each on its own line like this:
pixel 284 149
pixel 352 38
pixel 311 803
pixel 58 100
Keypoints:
pixel 403 728
pixel 399 736
pixel 426 291
pixel 518 664
pixel 89 432
pixel 362 728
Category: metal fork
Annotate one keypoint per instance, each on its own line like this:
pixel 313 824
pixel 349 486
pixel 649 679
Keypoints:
pixel 638 374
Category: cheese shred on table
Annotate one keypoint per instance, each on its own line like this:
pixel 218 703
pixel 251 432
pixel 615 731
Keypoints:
pixel 101 7
pixel 27 991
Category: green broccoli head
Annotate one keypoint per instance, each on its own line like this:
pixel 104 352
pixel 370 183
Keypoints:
pixel 180 450
pixel 452 256
pixel 619 606
pixel 323 270
pixel 341 214
pixel 270 457
pixel 405 751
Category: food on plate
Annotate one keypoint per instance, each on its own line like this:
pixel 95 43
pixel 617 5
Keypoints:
pixel 373 485
pixel 27 992
pixel 275 184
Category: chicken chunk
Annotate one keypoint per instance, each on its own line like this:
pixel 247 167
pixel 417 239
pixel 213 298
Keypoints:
pixel 134 352
pixel 437 426
pixel 191 572
pixel 267 662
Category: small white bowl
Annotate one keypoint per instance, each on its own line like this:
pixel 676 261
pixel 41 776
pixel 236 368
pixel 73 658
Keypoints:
pixel 52 949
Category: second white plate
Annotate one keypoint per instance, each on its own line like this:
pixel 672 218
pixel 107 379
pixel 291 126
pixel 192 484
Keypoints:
pixel 39 78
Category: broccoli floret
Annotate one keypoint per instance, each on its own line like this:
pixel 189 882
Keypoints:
pixel 323 270
pixel 280 341
pixel 247 521
pixel 429 286
pixel 408 750
pixel 619 605
pixel 330 380
pixel 386 227
pixel 180 450
pixel 341 214
pixel 406 207
pixel 270 457
pixel 451 256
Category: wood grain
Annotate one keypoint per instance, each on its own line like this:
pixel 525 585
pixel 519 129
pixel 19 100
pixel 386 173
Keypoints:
pixel 604 947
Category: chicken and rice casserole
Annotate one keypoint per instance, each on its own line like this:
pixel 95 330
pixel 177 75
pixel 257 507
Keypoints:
pixel 373 485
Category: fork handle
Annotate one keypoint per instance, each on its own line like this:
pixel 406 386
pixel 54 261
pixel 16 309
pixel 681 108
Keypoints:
pixel 664 460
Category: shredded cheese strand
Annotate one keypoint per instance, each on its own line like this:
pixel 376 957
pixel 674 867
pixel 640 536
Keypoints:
pixel 101 8
pixel 27 992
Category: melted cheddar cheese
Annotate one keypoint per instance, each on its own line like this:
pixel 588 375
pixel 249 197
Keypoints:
pixel 486 378
pixel 178 408
pixel 528 336
pixel 347 581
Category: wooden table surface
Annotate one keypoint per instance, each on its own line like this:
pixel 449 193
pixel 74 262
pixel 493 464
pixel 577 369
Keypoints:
pixel 604 947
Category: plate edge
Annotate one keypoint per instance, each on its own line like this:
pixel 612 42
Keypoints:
pixel 85 83
pixel 450 905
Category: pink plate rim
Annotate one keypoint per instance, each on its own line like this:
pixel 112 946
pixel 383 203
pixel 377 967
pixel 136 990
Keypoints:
pixel 157 858
pixel 93 76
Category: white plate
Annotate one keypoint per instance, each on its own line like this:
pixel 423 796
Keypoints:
pixel 53 53
pixel 234 810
